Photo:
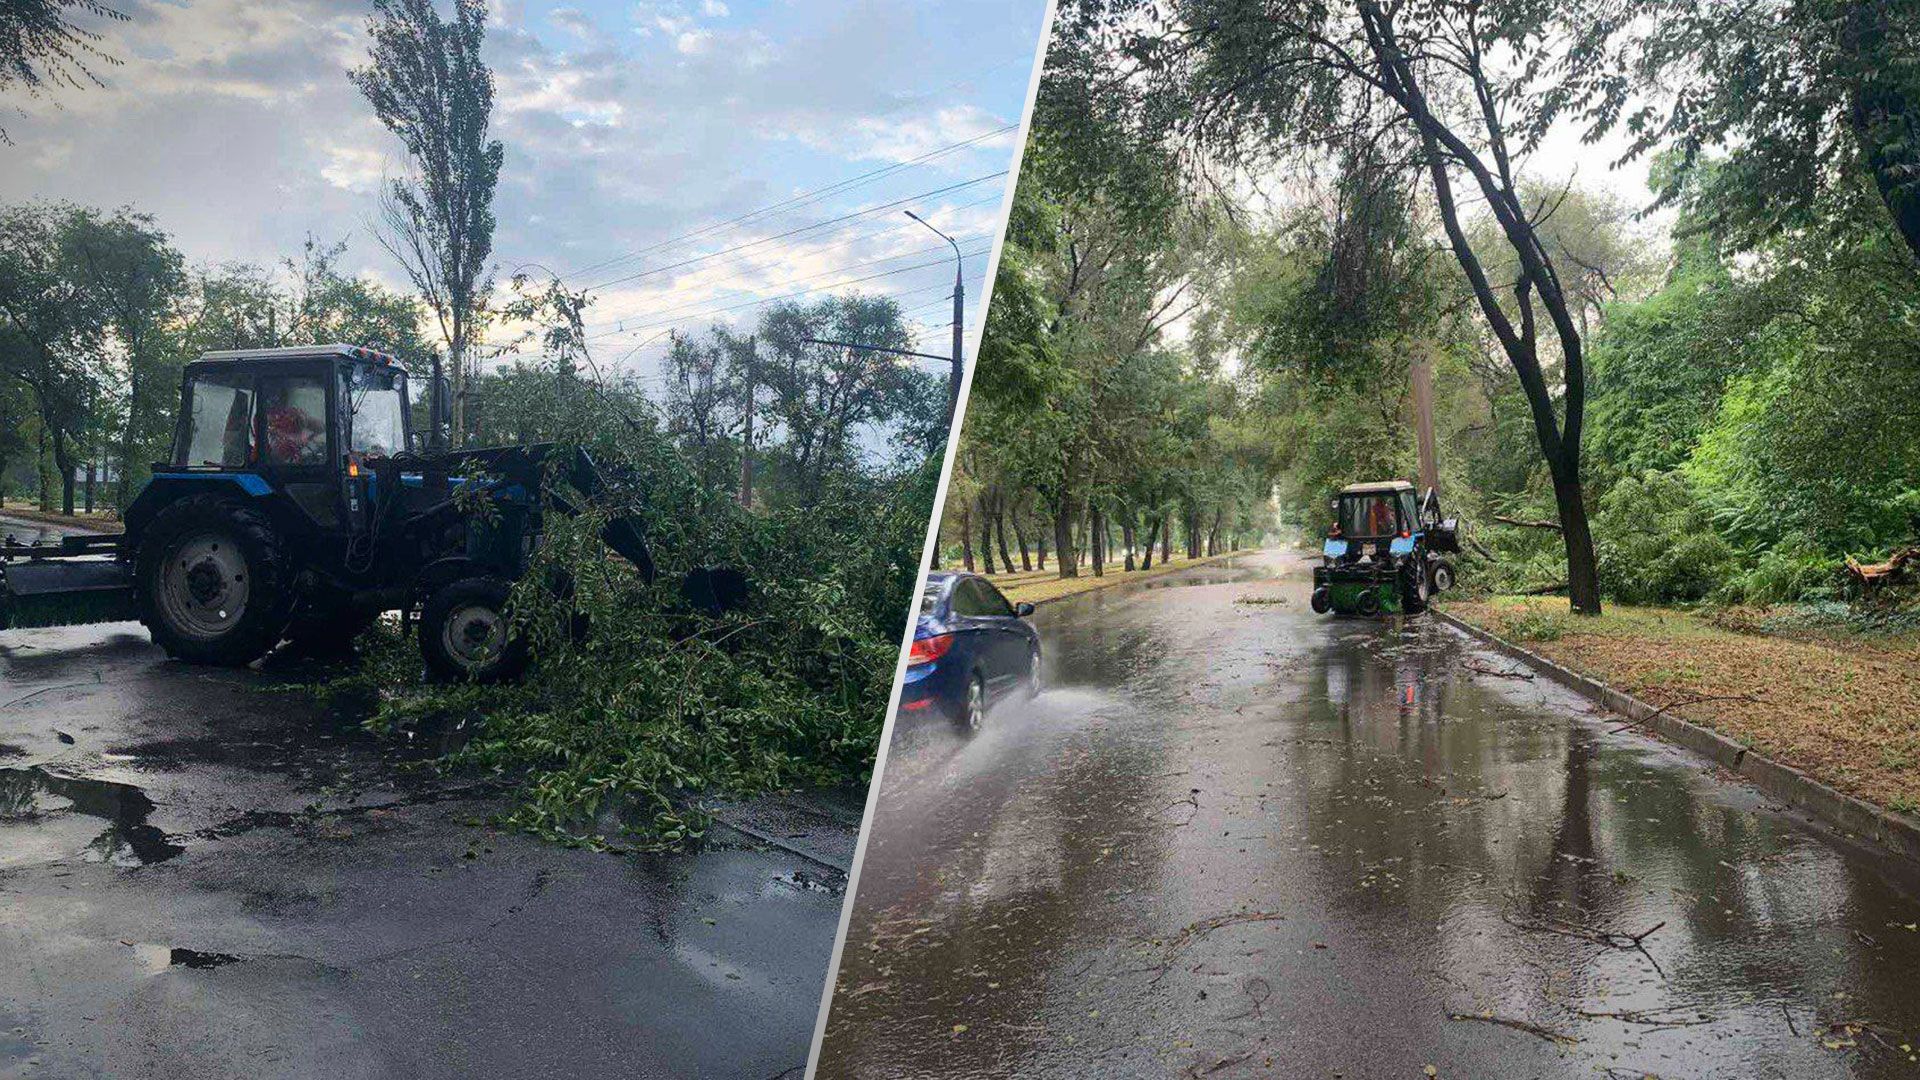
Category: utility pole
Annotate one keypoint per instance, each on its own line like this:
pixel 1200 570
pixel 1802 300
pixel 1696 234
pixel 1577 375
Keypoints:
pixel 746 431
pixel 1420 376
pixel 959 316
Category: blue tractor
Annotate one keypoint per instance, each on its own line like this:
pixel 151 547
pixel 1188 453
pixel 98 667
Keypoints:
pixel 299 504
pixel 1386 553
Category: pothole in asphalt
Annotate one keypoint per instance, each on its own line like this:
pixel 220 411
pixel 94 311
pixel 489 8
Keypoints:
pixel 34 793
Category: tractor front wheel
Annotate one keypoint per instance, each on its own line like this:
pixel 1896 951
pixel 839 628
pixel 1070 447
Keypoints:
pixel 1413 590
pixel 465 635
pixel 212 582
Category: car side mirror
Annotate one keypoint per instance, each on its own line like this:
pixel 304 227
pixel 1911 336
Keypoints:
pixel 1023 609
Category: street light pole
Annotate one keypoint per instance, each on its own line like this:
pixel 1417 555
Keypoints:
pixel 959 314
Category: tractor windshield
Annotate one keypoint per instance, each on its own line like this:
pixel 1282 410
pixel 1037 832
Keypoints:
pixel 219 427
pixel 378 411
pixel 1368 515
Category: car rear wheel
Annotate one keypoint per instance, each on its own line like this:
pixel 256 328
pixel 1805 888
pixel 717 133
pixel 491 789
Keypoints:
pixel 973 711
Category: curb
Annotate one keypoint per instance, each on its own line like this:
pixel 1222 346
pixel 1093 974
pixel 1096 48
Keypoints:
pixel 1121 579
pixel 1855 817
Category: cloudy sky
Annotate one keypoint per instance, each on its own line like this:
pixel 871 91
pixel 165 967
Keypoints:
pixel 628 126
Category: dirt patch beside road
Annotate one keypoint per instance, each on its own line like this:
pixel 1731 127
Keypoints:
pixel 1844 709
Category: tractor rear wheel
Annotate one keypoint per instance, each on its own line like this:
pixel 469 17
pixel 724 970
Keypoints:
pixel 465 635
pixel 212 581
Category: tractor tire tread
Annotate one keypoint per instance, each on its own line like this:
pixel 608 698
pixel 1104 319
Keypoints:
pixel 270 591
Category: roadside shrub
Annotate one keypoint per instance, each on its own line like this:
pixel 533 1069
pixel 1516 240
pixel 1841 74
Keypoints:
pixel 1794 571
pixel 1655 543
pixel 1535 624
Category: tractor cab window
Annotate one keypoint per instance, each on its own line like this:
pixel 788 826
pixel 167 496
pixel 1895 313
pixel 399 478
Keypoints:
pixel 295 412
pixel 219 428
pixel 1368 515
pixel 376 411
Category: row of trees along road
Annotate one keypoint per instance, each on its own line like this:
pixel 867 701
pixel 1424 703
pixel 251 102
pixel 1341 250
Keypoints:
pixel 1397 136
pixel 99 311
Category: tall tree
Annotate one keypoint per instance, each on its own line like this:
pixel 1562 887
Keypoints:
pixel 1813 102
pixel 135 276
pixel 52 335
pixel 43 45
pixel 1472 87
pixel 429 86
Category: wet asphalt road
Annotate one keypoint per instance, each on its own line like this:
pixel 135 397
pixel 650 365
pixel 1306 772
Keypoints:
pixel 202 874
pixel 1241 840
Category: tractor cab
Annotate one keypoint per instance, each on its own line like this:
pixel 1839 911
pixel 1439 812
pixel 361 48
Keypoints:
pixel 1382 553
pixel 309 421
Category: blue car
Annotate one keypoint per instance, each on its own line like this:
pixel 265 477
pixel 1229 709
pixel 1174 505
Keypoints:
pixel 971 648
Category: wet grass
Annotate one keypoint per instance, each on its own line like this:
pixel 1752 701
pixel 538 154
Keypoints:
pixel 1040 586
pixel 1839 702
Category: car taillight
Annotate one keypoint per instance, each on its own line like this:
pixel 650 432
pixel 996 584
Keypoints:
pixel 928 649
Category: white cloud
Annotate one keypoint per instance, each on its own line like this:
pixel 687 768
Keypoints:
pixel 714 9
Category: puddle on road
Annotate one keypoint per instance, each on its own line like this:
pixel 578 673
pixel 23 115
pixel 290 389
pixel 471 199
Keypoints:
pixel 33 794
pixel 154 959
pixel 1472 848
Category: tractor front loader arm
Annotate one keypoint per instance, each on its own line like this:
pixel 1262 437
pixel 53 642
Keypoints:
pixel 524 465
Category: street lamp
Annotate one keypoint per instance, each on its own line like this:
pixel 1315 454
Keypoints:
pixel 959 312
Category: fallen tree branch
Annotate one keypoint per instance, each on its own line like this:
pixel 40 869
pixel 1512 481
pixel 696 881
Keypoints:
pixel 1531 1028
pixel 1543 590
pixel 1629 725
pixel 1870 576
pixel 1552 526
pixel 1515 674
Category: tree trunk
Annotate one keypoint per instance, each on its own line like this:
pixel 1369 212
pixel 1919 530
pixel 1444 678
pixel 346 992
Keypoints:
pixel 1166 538
pixel 1583 576
pixel 1020 541
pixel 1000 535
pixel 123 489
pixel 966 536
pixel 1097 542
pixel 1146 553
pixel 1063 542
pixel 1126 540
pixel 46 471
pixel 986 536
pixel 1040 550
pixel 63 460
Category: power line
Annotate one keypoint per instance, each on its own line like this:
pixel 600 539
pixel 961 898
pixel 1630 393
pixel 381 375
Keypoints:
pixel 794 201
pixel 791 281
pixel 822 249
pixel 798 292
pixel 801 229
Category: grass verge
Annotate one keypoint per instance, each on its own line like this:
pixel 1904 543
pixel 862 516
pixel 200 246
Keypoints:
pixel 1836 702
pixel 1040 586
pixel 99 520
